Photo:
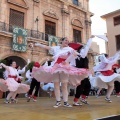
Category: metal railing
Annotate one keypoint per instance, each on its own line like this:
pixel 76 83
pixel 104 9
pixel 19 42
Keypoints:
pixel 30 33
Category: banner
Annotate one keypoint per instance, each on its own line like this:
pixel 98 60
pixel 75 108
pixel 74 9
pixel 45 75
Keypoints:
pixel 19 39
pixel 53 41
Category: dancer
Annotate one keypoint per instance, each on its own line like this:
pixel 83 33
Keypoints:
pixel 29 77
pixel 34 84
pixel 61 70
pixel 11 84
pixel 117 88
pixel 20 72
pixel 19 80
pixel 84 88
pixel 92 83
pixel 107 77
pixel 28 73
pixel 49 88
pixel 29 80
pixel 115 68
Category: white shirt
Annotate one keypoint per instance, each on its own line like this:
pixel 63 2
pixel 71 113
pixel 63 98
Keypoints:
pixel 12 71
pixel 62 53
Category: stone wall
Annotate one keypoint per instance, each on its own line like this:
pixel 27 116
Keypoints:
pixel 37 54
pixel 64 13
pixel 61 12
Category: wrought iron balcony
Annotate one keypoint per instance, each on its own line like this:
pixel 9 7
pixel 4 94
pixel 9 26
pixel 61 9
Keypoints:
pixel 30 33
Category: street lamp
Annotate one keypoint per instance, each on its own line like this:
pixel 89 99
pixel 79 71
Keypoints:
pixel 36 20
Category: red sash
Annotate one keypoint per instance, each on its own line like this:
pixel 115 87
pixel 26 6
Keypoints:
pixel 11 76
pixel 59 60
pixel 107 73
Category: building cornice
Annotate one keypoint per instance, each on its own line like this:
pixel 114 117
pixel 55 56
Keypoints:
pixel 72 5
pixel 111 13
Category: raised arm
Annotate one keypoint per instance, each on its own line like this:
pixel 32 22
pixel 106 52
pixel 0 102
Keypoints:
pixel 84 51
pixel 3 65
pixel 40 45
pixel 22 70
pixel 110 60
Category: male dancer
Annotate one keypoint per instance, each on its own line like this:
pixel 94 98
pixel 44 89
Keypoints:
pixel 116 83
pixel 83 89
pixel 34 84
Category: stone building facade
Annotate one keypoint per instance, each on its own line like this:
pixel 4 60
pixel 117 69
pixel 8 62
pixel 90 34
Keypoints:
pixel 60 18
pixel 113 31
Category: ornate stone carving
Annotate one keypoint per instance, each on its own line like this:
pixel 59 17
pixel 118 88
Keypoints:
pixel 65 11
pixel 77 22
pixel 88 22
pixel 50 13
pixel 20 3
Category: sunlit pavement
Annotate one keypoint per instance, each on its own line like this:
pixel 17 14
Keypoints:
pixel 43 109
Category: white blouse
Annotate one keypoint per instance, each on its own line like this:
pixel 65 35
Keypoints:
pixel 13 71
pixel 61 52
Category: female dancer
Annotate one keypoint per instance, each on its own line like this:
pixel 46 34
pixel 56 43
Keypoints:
pixel 11 84
pixel 107 77
pixel 20 72
pixel 60 70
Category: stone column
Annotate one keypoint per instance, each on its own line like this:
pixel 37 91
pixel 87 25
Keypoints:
pixel 65 20
pixel 0 8
pixel 88 27
pixel 36 14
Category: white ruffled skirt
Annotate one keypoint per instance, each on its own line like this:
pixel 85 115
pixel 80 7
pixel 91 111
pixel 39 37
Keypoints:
pixel 11 85
pixel 47 74
pixel 102 81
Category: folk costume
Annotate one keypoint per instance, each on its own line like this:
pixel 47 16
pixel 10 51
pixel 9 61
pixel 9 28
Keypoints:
pixel 34 85
pixel 11 84
pixel 83 89
pixel 20 72
pixel 107 77
pixel 58 69
pixel 61 70
pixel 116 68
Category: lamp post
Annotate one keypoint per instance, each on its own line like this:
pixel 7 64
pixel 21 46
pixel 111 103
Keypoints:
pixel 36 20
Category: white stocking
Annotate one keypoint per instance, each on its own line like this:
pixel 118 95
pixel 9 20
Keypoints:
pixel 65 91
pixel 109 91
pixel 57 90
